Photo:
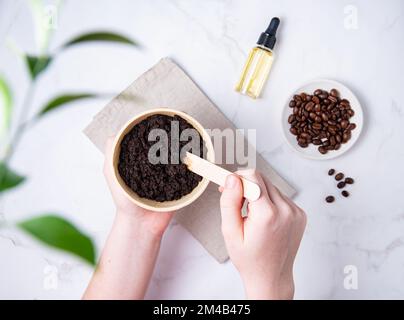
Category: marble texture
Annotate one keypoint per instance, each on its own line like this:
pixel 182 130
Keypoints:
pixel 210 40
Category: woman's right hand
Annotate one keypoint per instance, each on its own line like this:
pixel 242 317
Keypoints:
pixel 263 245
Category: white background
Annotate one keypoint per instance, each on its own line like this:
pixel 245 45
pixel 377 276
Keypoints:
pixel 210 40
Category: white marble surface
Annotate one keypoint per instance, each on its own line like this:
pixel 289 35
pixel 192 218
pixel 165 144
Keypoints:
pixel 210 39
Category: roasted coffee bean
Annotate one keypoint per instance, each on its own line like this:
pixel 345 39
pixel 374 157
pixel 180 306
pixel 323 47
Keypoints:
pixel 329 199
pixel 303 144
pixel 322 150
pixel 344 124
pixel 332 125
pixel 339 176
pixel 327 102
pixel 346 136
pixel 331 172
pixel 315 99
pixel 297 98
pixel 293 130
pixel 334 93
pixel 316 142
pixel 332 99
pixel 292 103
pixel 323 95
pixel 352 126
pixel 305 135
pixel 345 193
pixel 341 185
pixel 337 146
pixel 309 106
pixel 318 92
pixel 291 118
pixel 322 135
pixel 317 125
pixel 349 180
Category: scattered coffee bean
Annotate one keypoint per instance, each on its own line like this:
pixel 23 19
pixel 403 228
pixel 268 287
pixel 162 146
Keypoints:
pixel 329 199
pixel 331 172
pixel 345 193
pixel 341 185
pixel 324 116
pixel 349 180
pixel 339 176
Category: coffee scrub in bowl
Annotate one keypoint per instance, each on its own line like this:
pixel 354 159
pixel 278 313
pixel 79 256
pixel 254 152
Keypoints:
pixel 147 156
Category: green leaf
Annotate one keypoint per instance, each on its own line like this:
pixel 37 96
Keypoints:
pixel 100 36
pixel 5 105
pixel 36 65
pixel 8 178
pixel 61 234
pixel 63 99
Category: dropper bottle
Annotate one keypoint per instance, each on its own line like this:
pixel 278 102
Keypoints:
pixel 259 62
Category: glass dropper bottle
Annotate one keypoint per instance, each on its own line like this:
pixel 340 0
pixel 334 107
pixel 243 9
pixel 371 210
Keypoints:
pixel 259 63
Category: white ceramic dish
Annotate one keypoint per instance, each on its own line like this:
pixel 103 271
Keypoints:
pixel 311 151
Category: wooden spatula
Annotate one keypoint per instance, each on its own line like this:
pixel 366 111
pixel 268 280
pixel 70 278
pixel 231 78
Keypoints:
pixel 218 175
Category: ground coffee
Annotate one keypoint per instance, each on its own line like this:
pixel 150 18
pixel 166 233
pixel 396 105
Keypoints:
pixel 160 182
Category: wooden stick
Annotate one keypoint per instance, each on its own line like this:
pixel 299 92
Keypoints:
pixel 218 175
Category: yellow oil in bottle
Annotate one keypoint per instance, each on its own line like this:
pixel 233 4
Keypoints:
pixel 255 72
pixel 259 63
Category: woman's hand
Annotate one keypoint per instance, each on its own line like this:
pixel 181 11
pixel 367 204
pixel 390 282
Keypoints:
pixel 263 245
pixel 130 253
pixel 149 221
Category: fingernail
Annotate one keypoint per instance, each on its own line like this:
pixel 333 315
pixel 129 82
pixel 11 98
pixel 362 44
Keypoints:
pixel 231 182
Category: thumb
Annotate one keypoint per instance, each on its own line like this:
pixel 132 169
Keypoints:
pixel 231 202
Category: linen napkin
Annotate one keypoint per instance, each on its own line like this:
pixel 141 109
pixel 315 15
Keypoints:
pixel 167 85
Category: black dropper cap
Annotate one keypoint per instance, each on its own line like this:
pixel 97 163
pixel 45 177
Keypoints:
pixel 267 38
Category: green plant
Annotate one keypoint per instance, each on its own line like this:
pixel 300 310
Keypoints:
pixel 51 229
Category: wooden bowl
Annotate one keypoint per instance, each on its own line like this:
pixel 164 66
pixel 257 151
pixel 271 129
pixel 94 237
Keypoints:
pixel 152 204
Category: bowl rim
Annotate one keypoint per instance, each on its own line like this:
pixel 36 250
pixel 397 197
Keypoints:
pixel 131 195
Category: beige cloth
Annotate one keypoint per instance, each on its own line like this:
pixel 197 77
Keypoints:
pixel 167 85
